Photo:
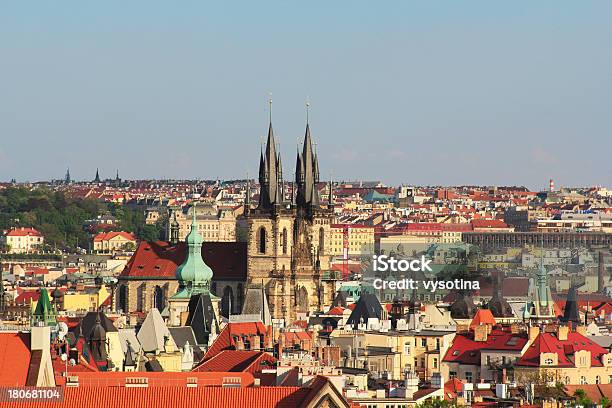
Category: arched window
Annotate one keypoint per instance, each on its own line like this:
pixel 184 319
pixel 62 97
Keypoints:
pixel 284 240
pixel 597 380
pixel 262 240
pixel 321 240
pixel 583 380
pixel 159 300
pixel 123 298
pixel 227 301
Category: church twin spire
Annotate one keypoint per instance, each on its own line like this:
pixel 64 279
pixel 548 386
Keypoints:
pixel 271 174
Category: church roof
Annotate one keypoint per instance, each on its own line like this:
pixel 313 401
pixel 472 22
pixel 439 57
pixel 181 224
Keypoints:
pixel 159 260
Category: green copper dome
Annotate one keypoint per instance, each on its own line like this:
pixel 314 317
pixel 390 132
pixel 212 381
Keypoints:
pixel 193 273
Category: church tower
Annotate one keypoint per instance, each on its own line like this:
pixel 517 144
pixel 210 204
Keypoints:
pixel 286 238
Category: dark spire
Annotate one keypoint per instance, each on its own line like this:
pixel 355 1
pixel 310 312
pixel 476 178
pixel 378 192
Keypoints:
pixel 67 179
pixel 570 312
pixel 270 173
pixel 128 360
pixel 97 179
pixel 307 175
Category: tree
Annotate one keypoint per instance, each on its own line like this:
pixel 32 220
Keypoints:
pixel 582 399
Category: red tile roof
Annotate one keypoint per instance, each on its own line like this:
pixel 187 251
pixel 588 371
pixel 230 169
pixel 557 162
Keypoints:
pixel 23 232
pixel 466 350
pixel 178 397
pixel 565 349
pixel 483 316
pixel 14 358
pixel 160 259
pixel 227 338
pixel 238 361
pixel 105 236
pixel 161 379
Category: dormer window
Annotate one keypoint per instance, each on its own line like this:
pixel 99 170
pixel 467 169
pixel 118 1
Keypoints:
pixel 548 361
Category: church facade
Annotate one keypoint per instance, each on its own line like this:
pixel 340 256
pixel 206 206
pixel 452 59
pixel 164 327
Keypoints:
pixel 286 234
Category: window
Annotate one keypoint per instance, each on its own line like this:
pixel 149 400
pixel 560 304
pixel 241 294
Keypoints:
pixel 583 380
pixel 284 240
pixel 548 361
pixel 468 376
pixel 435 363
pixel 423 342
pixel 597 380
pixel 262 240
pixel 407 349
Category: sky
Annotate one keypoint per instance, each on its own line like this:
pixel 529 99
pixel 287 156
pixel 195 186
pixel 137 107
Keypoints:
pixel 426 93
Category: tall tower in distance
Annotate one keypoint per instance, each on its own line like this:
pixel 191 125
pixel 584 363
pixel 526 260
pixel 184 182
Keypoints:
pixel 286 237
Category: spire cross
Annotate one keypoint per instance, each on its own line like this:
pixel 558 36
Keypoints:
pixel 307 109
pixel 270 103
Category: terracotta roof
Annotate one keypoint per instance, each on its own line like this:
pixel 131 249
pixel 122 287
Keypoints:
pixel 160 379
pixel 466 350
pixel 237 361
pixel 452 387
pixel 227 338
pixel 23 232
pixel 160 260
pixel 565 349
pixel 483 316
pixel 105 236
pixel 14 358
pixel 178 397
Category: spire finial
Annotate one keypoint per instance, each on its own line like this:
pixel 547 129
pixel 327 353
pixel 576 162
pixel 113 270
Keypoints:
pixel 270 103
pixel 307 110
pixel 193 219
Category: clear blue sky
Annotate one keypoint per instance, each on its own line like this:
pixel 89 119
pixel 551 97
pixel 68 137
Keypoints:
pixel 476 92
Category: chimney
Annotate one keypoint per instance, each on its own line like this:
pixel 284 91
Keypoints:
pixel 562 332
pixel 72 381
pixel 534 331
pixel 192 382
pixel 412 384
pixel 481 333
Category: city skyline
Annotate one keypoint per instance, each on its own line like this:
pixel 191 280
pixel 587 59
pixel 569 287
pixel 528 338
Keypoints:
pixel 420 94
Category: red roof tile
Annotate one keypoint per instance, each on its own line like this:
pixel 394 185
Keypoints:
pixel 178 397
pixel 237 361
pixel 160 259
pixel 14 358
pixel 466 350
pixel 565 349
